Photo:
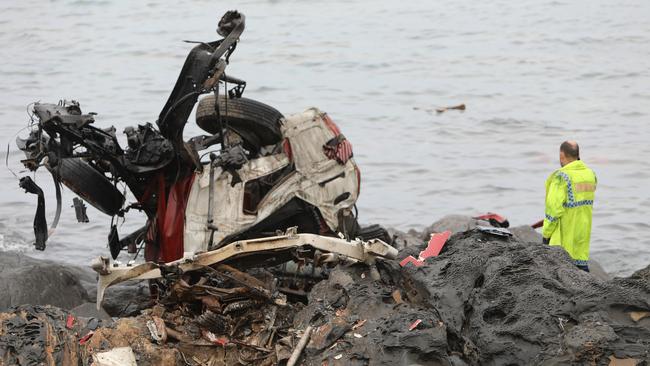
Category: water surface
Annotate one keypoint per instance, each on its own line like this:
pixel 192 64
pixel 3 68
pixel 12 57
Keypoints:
pixel 532 74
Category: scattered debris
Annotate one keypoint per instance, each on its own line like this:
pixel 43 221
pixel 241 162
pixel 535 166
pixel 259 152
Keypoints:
pixel 435 245
pixel 412 260
pixel 80 210
pixel 415 324
pixel 498 231
pixel 433 248
pixel 638 315
pixel 121 356
pixel 613 361
pixel 494 219
pixel 459 107
pixel 360 323
pixel 397 296
pixel 484 299
pixel 69 323
pixel 295 355
pixel 85 338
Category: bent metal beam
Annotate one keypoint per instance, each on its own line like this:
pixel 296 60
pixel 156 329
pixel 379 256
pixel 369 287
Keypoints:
pixel 355 250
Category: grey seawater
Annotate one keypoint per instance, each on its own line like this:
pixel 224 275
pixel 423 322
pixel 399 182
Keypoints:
pixel 532 74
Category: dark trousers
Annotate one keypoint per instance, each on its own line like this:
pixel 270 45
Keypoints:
pixel 584 268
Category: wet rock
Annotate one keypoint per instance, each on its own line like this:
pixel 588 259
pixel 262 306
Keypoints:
pixel 589 337
pixel 526 234
pixel 403 239
pixel 126 299
pixel 483 300
pixel 642 274
pixel 453 223
pixel 89 310
pixel 25 280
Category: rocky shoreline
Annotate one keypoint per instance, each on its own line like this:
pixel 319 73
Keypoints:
pixel 485 300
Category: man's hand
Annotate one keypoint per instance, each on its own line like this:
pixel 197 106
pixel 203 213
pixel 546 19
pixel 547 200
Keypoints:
pixel 546 240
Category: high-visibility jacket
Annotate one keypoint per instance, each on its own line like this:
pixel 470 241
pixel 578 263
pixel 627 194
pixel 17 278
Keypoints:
pixel 570 194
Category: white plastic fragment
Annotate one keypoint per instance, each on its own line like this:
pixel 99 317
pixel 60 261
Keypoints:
pixel 121 356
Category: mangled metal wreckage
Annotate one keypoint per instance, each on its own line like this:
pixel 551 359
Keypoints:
pixel 214 198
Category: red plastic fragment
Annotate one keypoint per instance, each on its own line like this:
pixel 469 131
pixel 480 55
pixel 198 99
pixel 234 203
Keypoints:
pixel 435 245
pixel 411 259
pixel 69 322
pixel 415 324
pixel 85 338
pixel 221 341
pixel 286 146
pixel 491 215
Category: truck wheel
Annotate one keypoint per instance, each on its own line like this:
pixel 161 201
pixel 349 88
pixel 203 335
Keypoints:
pixel 257 123
pixel 89 184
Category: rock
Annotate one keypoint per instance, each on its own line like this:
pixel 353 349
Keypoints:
pixel 453 223
pixel 589 337
pixel 25 280
pixel 526 234
pixel 643 274
pixel 596 270
pixel 126 299
pixel 89 310
pixel 484 300
pixel 404 239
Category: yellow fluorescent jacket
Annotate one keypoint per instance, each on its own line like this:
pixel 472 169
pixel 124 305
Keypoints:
pixel 570 194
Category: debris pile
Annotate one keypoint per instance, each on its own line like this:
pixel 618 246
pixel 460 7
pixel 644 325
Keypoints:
pixel 485 299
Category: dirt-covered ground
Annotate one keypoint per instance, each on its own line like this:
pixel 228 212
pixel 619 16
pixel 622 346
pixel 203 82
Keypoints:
pixel 485 300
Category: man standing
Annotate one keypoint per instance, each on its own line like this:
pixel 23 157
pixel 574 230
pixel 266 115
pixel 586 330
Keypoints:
pixel 569 201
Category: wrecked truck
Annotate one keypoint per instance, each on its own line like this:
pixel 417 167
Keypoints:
pixel 255 172
pixel 257 183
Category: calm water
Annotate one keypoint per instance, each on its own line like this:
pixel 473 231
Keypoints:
pixel 532 74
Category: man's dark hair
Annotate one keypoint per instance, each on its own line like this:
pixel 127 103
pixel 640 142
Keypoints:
pixel 570 149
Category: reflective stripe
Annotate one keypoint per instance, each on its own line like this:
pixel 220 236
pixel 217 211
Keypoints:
pixel 571 198
pixel 568 185
pixel 550 218
pixel 578 204
pixel 580 262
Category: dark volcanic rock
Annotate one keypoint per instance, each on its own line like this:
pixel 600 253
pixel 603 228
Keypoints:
pixel 485 300
pixel 25 280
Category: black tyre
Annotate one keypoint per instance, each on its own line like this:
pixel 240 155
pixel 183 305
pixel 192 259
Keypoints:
pixel 89 184
pixel 374 232
pixel 257 123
